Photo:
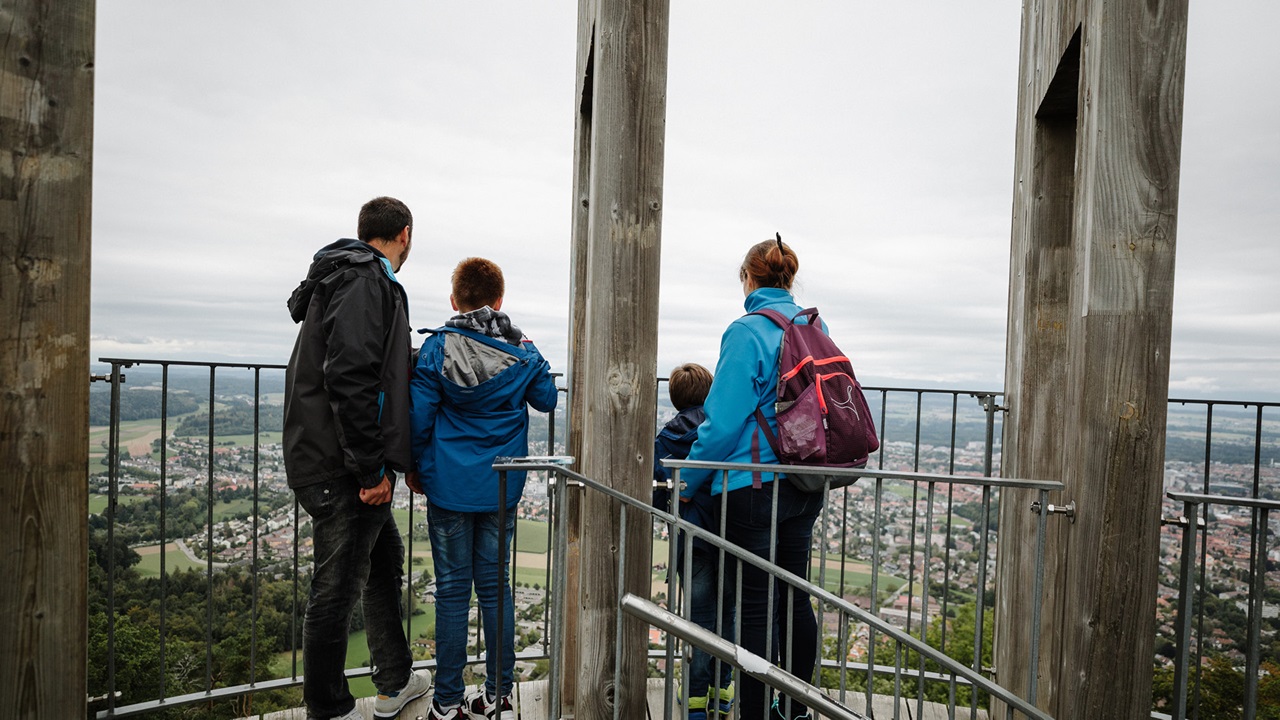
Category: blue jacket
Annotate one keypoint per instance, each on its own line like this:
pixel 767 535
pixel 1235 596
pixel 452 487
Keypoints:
pixel 469 394
pixel 746 378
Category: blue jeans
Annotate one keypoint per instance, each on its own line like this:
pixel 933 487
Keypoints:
pixel 785 633
pixel 704 576
pixel 464 547
pixel 358 556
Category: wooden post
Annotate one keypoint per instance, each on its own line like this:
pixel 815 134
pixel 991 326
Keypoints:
pixel 1087 365
pixel 571 514
pixel 46 146
pixel 622 62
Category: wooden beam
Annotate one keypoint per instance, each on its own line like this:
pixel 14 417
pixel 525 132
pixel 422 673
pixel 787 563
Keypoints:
pixel 571 514
pixel 1087 364
pixel 46 146
pixel 621 125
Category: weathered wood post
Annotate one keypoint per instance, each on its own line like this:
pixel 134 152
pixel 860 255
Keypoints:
pixel 1087 364
pixel 46 146
pixel 622 76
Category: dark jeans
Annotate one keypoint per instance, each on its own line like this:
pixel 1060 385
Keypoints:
pixel 464 547
pixel 785 633
pixel 358 555
pixel 705 581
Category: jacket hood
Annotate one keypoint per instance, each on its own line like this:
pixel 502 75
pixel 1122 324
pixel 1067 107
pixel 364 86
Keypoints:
pixel 479 376
pixel 328 260
pixel 684 426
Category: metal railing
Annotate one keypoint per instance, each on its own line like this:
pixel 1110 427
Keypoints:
pixel 833 656
pixel 202 468
pixel 1222 480
pixel 1192 522
pixel 939 558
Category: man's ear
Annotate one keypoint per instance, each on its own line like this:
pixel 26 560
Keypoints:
pixel 402 237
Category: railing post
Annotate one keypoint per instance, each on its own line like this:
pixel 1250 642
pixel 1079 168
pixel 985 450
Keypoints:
pixel 500 621
pixel 1257 575
pixel 1037 600
pixel 113 480
pixel 1185 588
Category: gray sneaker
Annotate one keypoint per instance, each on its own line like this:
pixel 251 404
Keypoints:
pixel 390 705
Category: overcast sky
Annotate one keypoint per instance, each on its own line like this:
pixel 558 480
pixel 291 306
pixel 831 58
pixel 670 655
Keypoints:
pixel 235 138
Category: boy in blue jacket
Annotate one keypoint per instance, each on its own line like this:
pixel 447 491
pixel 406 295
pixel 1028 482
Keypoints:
pixel 473 382
pixel 688 386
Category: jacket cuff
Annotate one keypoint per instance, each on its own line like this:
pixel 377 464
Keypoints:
pixel 371 480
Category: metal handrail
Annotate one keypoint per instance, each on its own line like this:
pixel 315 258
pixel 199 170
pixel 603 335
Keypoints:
pixel 1191 524
pixel 822 594
pixel 888 395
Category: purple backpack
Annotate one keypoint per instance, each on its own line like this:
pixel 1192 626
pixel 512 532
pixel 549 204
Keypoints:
pixel 822 415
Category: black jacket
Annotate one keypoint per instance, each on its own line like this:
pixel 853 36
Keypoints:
pixel 346 396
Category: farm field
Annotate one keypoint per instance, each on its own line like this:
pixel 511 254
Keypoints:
pixel 174 560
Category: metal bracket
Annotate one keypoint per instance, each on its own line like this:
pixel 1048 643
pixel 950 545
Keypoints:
pixel 988 402
pixel 1181 521
pixel 104 378
pixel 1069 509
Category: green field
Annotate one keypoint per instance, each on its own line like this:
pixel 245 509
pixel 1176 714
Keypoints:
pixel 239 506
pixel 174 560
pixel 98 503
pixel 422 626
pixel 221 510
pixel 130 431
pixel 138 431
pixel 265 437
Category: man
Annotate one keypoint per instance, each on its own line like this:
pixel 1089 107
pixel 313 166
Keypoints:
pixel 346 434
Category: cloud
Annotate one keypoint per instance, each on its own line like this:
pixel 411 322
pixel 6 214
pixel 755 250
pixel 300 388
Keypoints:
pixel 878 139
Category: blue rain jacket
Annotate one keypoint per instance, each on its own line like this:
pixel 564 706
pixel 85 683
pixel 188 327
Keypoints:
pixel 470 397
pixel 746 378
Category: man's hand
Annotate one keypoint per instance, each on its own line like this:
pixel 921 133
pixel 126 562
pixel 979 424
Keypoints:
pixel 377 495
pixel 411 479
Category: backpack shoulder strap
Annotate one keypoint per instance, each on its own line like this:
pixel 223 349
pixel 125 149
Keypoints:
pixel 809 314
pixel 778 318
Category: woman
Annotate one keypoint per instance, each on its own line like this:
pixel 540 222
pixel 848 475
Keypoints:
pixel 746 379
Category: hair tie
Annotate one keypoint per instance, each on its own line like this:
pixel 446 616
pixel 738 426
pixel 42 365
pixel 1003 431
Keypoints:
pixel 780 243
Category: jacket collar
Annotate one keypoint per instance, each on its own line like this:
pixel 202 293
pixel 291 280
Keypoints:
pixel 764 297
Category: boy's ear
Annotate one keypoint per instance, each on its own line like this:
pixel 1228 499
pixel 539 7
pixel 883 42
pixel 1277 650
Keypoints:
pixel 497 304
pixel 453 303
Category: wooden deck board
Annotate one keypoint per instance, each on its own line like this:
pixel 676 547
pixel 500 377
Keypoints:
pixel 532 697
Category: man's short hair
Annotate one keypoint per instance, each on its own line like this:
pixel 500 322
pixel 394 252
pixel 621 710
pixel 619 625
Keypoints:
pixel 477 282
pixel 382 218
pixel 689 385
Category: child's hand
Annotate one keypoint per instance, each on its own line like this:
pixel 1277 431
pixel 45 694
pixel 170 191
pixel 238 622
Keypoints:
pixel 411 479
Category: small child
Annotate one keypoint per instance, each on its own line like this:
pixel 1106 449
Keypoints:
pixel 688 387
pixel 474 378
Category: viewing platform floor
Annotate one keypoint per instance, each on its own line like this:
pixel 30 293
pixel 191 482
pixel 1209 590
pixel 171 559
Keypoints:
pixel 531 704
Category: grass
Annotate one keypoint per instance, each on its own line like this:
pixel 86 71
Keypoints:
pixel 423 627
pixel 98 503
pixel 174 560
pixel 225 510
pixel 130 431
pixel 265 437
